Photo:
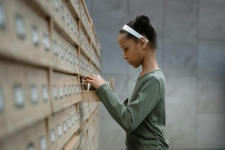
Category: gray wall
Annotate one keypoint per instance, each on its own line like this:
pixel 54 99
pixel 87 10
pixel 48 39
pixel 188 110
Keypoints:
pixel 191 37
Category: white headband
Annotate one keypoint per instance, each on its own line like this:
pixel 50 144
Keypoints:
pixel 133 32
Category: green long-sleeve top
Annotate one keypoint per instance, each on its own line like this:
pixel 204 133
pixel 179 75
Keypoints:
pixel 142 114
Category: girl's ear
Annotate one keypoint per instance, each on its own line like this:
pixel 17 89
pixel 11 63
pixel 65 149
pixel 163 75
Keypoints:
pixel 143 43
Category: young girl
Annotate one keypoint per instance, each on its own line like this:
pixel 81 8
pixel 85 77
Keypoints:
pixel 142 115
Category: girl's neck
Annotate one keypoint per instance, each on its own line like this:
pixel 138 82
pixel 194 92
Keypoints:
pixel 149 63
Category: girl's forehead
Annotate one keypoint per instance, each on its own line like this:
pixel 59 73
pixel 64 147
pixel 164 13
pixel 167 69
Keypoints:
pixel 122 40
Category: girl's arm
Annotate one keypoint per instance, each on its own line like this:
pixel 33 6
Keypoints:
pixel 130 116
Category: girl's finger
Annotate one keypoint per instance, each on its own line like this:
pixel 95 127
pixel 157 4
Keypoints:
pixel 88 81
pixel 92 75
pixel 89 77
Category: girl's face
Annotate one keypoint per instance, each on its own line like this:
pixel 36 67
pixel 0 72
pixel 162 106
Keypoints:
pixel 133 52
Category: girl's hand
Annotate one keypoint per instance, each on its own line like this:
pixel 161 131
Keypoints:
pixel 95 80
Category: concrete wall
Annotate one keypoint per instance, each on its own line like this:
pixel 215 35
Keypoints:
pixel 191 37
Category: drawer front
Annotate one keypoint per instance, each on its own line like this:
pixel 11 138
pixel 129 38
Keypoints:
pixel 64 55
pixel 94 69
pixel 34 137
pixel 83 112
pixel 86 21
pixel 65 19
pixel 95 58
pixel 85 45
pixel 65 91
pixel 84 65
pixel 62 126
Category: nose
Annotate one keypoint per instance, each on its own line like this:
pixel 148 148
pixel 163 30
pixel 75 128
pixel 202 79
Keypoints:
pixel 124 56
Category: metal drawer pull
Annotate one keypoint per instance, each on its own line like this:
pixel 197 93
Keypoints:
pixel 19 96
pixel 76 117
pixel 52 136
pixel 67 19
pixel 61 92
pixel 43 144
pixel 1 100
pixel 30 146
pixel 71 24
pixel 55 47
pixel 68 122
pixel 66 54
pixel 55 92
pixel 69 87
pixel 20 27
pixel 62 11
pixel 56 4
pixel 73 89
pixel 34 94
pixel 45 92
pixel 77 90
pixel 65 90
pixel 71 58
pixel 64 126
pixel 73 120
pixel 46 42
pixel 74 59
pixel 77 60
pixel 61 51
pixel 59 130
pixel 2 16
pixel 80 88
pixel 35 36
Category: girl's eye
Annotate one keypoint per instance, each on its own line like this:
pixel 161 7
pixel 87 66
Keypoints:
pixel 125 49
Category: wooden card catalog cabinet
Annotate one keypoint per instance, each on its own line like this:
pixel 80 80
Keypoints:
pixel 47 47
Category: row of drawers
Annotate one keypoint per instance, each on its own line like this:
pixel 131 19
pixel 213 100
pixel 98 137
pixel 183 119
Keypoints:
pixel 63 12
pixel 95 59
pixel 55 133
pixel 29 96
pixel 32 43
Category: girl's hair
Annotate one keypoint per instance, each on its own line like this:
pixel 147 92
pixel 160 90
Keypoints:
pixel 142 25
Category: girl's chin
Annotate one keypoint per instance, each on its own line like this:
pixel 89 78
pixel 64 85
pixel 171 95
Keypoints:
pixel 135 66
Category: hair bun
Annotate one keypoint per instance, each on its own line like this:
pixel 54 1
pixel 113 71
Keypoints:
pixel 142 20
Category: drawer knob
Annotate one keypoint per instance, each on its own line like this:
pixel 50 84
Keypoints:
pixel 43 144
pixel 45 93
pixel 64 126
pixel 55 47
pixel 30 146
pixel 73 120
pixel 59 130
pixel 20 27
pixel 19 96
pixel 65 90
pixel 52 136
pixel 68 121
pixel 2 16
pixel 61 92
pixel 1 100
pixel 55 92
pixel 35 36
pixel 46 42
pixel 34 93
